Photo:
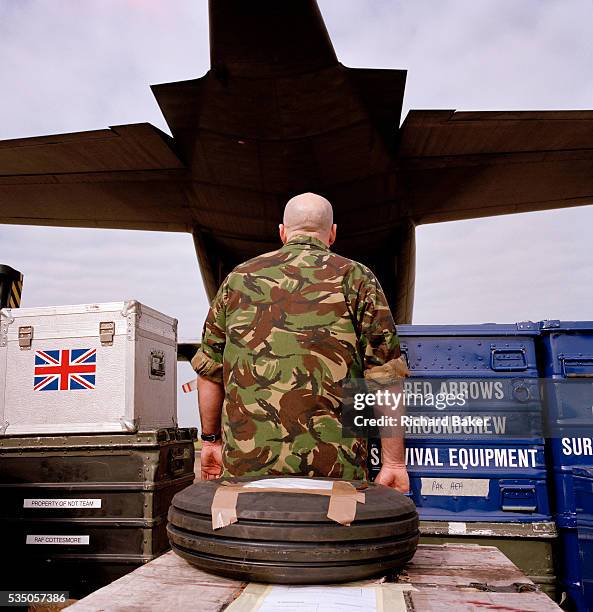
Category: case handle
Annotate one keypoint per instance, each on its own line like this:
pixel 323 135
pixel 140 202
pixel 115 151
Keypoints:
pixel 577 367
pixel 508 359
pixel 518 498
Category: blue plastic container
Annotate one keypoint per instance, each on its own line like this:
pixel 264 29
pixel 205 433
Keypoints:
pixel 485 478
pixel 567 361
pixel 496 363
pixel 568 562
pixel 583 488
pixel 568 348
pixel 499 483
pixel 489 350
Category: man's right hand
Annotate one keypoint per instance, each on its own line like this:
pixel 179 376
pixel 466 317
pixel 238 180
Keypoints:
pixel 394 476
pixel 211 460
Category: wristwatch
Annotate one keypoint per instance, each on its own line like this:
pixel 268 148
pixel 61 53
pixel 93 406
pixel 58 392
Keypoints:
pixel 210 437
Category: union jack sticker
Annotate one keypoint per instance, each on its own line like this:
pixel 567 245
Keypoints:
pixel 65 369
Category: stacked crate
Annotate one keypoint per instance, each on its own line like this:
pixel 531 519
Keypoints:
pixel 487 488
pixel 567 364
pixel 90 451
pixel 91 507
pixel 583 487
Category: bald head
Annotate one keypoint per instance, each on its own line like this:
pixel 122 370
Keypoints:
pixel 309 214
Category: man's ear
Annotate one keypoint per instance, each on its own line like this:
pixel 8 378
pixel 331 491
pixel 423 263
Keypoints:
pixel 332 234
pixel 282 232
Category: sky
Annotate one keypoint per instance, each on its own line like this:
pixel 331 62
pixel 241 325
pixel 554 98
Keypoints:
pixel 71 66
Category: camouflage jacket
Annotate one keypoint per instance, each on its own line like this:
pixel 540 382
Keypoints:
pixel 283 332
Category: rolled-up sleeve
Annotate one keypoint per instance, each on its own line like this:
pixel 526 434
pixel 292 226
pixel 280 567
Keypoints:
pixel 208 361
pixel 377 335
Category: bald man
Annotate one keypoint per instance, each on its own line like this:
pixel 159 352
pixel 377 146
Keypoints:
pixel 284 332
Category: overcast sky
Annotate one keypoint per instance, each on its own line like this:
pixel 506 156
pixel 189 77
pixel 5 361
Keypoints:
pixel 68 66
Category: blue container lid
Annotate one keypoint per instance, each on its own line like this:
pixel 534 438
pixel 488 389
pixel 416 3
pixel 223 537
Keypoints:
pixel 524 328
pixel 553 325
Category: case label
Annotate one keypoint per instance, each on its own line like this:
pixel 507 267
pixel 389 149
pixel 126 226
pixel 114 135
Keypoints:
pixel 51 504
pixel 66 540
pixel 459 487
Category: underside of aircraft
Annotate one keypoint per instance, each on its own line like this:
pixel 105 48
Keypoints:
pixel 274 117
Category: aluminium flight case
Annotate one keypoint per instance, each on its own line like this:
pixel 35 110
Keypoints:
pixel 87 368
pixel 89 507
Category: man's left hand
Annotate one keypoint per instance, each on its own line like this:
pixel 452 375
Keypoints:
pixel 395 477
pixel 211 460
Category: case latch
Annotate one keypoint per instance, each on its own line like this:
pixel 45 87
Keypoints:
pixel 106 332
pixel 157 365
pixel 25 337
pixel 179 458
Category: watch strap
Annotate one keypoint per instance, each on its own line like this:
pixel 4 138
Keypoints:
pixel 210 437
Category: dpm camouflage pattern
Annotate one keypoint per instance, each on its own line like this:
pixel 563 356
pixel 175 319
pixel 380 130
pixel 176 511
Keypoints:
pixel 284 332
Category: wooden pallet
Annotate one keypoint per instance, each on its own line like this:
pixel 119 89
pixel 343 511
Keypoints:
pixel 440 578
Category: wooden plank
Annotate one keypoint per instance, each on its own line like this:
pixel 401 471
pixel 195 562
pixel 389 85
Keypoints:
pixel 454 566
pixel 167 583
pixel 460 601
pixel 445 577
pixel 459 556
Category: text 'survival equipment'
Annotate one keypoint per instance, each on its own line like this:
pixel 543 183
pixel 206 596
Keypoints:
pixel 88 368
pixel 293 530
